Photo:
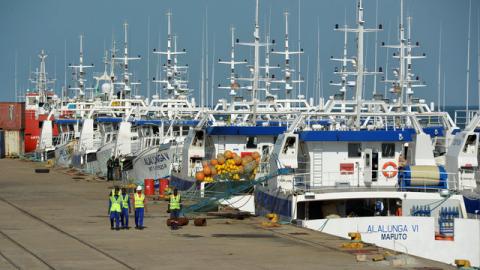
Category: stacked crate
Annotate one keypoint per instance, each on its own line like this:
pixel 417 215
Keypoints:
pixel 12 126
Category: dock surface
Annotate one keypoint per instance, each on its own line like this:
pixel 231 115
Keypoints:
pixel 59 221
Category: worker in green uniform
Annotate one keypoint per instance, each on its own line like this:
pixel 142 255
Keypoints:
pixel 174 208
pixel 140 206
pixel 125 209
pixel 114 209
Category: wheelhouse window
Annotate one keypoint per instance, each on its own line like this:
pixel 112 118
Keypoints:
pixel 252 142
pixel 289 143
pixel 470 144
pixel 388 150
pixel 354 150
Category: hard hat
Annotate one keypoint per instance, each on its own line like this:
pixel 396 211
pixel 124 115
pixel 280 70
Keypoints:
pixel 139 188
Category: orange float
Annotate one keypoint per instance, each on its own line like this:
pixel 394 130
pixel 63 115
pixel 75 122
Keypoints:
pixel 200 176
pixel 238 160
pixel 207 171
pixel 228 154
pixel 221 160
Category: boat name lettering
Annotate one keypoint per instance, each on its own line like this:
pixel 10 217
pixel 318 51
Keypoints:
pixel 394 236
pixel 393 232
pixel 159 158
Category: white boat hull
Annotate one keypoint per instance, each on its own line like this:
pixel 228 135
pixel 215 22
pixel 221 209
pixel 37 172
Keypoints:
pixel 155 162
pixel 411 235
pixel 103 154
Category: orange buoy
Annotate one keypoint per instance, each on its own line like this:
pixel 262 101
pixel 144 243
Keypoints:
pixel 207 171
pixel 200 176
pixel 238 160
pixel 221 160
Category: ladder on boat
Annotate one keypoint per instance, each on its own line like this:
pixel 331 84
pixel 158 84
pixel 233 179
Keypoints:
pixel 317 161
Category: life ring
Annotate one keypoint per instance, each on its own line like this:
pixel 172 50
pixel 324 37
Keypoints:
pixel 392 172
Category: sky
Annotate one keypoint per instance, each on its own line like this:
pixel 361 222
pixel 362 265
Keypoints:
pixel 27 26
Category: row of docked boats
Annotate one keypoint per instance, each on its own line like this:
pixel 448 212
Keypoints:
pixel 395 170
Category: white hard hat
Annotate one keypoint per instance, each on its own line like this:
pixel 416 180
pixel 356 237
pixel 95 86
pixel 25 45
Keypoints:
pixel 139 188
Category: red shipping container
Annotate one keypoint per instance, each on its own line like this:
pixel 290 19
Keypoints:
pixel 347 168
pixel 12 115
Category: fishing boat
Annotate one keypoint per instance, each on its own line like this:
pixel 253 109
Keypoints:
pixel 38 103
pixel 162 132
pixel 232 143
pixel 372 173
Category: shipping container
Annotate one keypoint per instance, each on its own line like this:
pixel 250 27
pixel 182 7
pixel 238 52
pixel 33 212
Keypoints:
pixel 12 115
pixel 13 143
pixel 2 144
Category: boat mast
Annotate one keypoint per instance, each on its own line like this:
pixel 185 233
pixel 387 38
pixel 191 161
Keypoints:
pixel 376 47
pixel 405 80
pixel 234 86
pixel 148 58
pixel 16 83
pixel 468 63
pixel 80 72
pixel 343 72
pixel 174 85
pixel 41 78
pixel 64 88
pixel 299 80
pixel 439 84
pixel 287 70
pixel 478 60
pixel 359 62
pixel 126 84
pixel 256 66
pixel 202 82
pixel 360 67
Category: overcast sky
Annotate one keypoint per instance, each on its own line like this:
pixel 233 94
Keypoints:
pixel 29 26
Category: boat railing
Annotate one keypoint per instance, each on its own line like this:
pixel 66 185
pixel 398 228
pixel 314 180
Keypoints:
pixel 327 181
pixel 463 117
pixel 149 141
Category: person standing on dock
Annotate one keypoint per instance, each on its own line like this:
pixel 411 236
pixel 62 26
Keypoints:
pixel 123 172
pixel 174 208
pixel 110 169
pixel 116 168
pixel 125 208
pixel 140 207
pixel 114 209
